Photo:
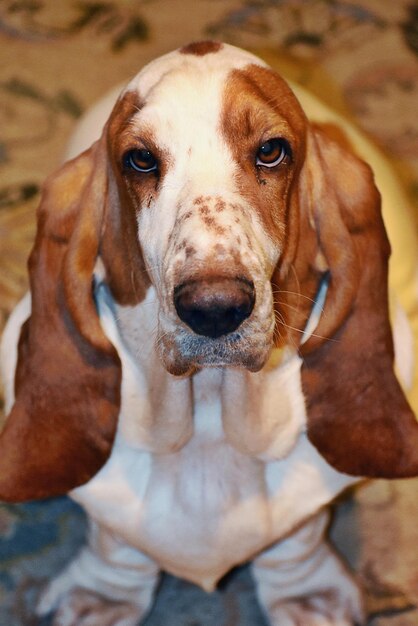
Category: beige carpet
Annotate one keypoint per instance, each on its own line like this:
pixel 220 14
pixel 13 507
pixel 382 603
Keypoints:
pixel 57 57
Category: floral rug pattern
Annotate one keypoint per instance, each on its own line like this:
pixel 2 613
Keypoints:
pixel 56 58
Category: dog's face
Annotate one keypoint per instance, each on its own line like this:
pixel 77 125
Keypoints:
pixel 207 148
pixel 210 184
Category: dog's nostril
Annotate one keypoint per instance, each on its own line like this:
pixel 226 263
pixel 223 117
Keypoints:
pixel 214 308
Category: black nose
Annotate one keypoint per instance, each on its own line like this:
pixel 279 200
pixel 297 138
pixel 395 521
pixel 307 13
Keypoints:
pixel 214 307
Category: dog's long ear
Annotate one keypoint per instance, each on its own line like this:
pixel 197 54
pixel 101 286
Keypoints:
pixel 358 417
pixel 60 430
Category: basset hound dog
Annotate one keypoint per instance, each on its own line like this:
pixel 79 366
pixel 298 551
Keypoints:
pixel 205 359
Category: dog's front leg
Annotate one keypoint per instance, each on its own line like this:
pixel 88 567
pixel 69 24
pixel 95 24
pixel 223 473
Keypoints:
pixel 301 580
pixel 108 583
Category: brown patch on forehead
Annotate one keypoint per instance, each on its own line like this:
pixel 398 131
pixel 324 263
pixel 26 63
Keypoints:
pixel 201 48
pixel 125 108
pixel 125 133
pixel 257 98
pixel 259 105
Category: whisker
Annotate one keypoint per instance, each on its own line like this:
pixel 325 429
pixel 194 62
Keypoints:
pixel 281 320
pixel 296 278
pixel 298 330
pixel 293 308
pixel 286 304
pixel 276 333
pixel 161 337
pixel 294 293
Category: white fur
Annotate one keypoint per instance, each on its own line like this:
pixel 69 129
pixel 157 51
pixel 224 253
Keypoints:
pixel 181 491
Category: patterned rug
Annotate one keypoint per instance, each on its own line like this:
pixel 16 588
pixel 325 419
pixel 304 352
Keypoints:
pixel 56 59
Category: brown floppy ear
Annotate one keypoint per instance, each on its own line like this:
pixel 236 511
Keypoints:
pixel 358 417
pixel 61 428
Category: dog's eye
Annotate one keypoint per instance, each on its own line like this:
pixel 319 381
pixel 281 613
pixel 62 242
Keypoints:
pixel 141 160
pixel 273 152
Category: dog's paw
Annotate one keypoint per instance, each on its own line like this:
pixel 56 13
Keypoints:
pixel 74 605
pixel 321 609
pixel 94 590
pixel 86 608
pixel 301 581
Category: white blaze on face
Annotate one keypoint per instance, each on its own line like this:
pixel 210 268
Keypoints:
pixel 199 163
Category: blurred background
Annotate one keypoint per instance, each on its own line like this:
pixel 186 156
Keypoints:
pixel 56 58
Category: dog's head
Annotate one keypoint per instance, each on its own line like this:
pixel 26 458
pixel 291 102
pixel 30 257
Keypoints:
pixel 210 184
pixel 207 146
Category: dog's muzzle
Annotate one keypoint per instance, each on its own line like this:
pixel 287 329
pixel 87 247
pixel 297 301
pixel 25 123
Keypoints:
pixel 214 307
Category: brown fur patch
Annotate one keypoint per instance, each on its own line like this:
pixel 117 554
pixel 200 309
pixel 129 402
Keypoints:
pixel 68 374
pixel 119 248
pixel 201 48
pixel 258 105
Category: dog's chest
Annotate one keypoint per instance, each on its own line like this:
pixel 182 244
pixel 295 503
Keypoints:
pixel 197 511
pixel 207 507
pixel 204 511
